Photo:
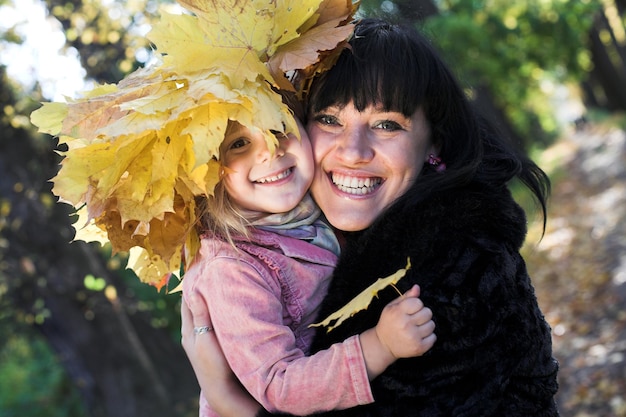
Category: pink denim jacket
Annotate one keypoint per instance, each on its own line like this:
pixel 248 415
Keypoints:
pixel 262 299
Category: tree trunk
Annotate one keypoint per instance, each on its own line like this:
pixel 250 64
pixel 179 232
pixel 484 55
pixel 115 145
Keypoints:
pixel 606 86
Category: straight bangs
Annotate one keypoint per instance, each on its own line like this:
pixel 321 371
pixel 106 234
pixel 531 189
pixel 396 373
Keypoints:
pixel 380 69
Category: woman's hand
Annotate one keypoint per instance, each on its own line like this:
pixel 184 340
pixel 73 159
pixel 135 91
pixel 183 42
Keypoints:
pixel 200 344
pixel 219 385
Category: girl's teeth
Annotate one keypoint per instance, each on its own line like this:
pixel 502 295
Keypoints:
pixel 275 177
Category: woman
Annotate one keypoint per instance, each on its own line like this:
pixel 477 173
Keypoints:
pixel 407 169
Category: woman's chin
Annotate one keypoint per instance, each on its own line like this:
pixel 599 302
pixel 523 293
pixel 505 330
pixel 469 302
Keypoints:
pixel 349 221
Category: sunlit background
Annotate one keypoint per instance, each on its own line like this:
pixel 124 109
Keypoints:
pixel 80 336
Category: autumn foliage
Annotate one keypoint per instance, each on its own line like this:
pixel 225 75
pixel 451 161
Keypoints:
pixel 138 153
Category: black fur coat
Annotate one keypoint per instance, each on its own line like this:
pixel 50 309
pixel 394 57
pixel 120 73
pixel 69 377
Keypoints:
pixel 493 355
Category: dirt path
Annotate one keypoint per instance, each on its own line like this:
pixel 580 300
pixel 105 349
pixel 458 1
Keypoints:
pixel 579 270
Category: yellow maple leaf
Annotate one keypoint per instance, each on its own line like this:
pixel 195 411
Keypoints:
pixel 331 9
pixel 362 300
pixel 273 24
pixel 316 50
pixel 204 178
pixel 77 171
pixel 299 54
pixel 97 117
pixel 138 153
pixel 87 230
pixel 185 41
pixel 49 117
pixel 325 35
pixel 149 268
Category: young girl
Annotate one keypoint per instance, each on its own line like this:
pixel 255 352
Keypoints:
pixel 263 268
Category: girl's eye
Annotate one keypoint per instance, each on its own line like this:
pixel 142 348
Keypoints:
pixel 388 125
pixel 238 143
pixel 279 135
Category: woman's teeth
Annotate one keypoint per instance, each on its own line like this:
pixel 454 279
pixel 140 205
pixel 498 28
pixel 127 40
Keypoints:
pixel 356 185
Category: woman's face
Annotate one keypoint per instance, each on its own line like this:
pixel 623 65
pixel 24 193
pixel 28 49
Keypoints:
pixel 266 181
pixel 365 161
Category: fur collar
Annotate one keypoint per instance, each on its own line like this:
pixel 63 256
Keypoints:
pixel 477 215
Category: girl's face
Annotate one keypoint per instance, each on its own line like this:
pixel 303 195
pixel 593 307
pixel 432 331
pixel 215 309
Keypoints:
pixel 365 161
pixel 259 180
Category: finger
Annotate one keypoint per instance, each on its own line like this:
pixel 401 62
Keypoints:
pixel 412 306
pixel 408 307
pixel 423 332
pixel 199 309
pixel 421 316
pixel 426 329
pixel 429 340
pixel 186 323
pixel 185 314
pixel 414 291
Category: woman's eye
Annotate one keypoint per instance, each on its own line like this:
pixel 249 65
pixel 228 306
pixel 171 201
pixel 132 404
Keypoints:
pixel 388 125
pixel 326 119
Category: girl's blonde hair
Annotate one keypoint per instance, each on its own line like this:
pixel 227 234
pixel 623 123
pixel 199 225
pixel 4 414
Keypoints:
pixel 218 216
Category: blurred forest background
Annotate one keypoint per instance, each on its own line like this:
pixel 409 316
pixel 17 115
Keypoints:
pixel 80 336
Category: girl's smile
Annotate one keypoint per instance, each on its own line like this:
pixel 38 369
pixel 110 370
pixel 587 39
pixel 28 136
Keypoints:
pixel 258 179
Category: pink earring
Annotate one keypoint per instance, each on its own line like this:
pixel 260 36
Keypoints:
pixel 436 163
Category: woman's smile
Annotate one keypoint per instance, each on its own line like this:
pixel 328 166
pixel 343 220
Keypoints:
pixel 355 185
pixel 365 161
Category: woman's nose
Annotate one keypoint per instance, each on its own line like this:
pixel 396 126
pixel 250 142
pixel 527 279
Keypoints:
pixel 353 145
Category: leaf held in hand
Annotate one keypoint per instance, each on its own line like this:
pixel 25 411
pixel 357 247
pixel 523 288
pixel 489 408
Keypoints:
pixel 363 299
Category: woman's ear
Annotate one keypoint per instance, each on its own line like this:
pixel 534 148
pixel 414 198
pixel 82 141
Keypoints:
pixel 432 151
pixel 433 159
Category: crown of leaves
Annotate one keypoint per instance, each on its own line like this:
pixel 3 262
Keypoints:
pixel 139 152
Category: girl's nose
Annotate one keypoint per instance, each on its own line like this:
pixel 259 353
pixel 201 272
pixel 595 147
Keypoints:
pixel 265 154
pixel 278 152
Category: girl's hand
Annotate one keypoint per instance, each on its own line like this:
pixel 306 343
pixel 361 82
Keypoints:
pixel 405 329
